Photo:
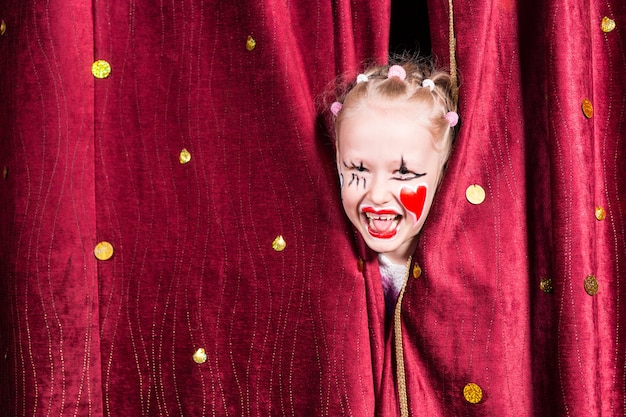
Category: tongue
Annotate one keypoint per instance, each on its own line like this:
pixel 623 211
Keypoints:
pixel 381 226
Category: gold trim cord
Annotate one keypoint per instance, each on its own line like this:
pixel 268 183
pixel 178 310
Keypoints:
pixel 452 44
pixel 397 330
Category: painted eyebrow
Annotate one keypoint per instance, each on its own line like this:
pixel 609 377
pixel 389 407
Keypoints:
pixel 404 170
pixel 402 165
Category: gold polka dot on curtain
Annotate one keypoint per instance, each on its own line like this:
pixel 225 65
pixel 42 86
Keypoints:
pixel 475 194
pixel 607 24
pixel 103 251
pixel 279 244
pixel 473 393
pixel 101 69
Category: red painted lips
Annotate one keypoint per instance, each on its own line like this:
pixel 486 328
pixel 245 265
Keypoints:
pixel 381 223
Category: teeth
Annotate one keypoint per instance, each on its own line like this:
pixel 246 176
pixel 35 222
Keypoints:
pixel 382 223
pixel 372 216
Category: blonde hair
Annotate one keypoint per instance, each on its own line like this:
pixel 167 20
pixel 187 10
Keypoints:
pixel 431 106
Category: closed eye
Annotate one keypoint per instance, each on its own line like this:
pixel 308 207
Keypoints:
pixel 355 167
pixel 406 175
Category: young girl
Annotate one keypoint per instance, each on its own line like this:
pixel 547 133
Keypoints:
pixel 394 132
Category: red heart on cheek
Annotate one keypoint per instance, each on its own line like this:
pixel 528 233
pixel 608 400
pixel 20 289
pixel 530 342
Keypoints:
pixel 414 201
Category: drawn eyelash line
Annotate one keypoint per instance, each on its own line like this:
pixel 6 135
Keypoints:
pixel 402 171
pixel 355 177
pixel 413 176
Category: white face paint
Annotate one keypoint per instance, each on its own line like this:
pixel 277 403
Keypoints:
pixel 389 170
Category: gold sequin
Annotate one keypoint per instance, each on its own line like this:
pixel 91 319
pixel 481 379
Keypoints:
pixel 199 356
pixel 359 264
pixel 3 27
pixel 546 285
pixel 101 69
pixel 473 393
pixel 417 271
pixel 250 43
pixel 591 285
pixel 279 244
pixel 607 24
pixel 184 156
pixel 587 108
pixel 5 172
pixel 475 194
pixel 600 213
pixel 103 251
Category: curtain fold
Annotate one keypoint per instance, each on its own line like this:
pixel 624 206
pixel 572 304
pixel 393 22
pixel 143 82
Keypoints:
pixel 521 294
pixel 199 164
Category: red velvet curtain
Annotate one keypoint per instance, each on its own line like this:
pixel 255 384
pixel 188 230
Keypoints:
pixel 523 295
pixel 506 300
pixel 283 329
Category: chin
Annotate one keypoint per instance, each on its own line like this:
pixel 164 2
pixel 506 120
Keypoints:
pixel 378 245
pixel 400 246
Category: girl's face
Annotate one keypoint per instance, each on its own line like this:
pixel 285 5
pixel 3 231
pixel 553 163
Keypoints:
pixel 389 170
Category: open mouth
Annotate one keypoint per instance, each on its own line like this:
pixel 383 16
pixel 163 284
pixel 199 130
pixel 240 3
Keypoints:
pixel 382 224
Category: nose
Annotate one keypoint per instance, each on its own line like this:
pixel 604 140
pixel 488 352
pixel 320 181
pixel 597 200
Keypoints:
pixel 379 192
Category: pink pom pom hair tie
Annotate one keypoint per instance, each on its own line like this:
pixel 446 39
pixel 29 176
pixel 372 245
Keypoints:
pixel 396 71
pixel 453 118
pixel 335 108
